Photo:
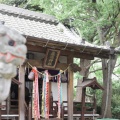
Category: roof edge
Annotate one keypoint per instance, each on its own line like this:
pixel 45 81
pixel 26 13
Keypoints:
pixel 20 12
pixel 79 46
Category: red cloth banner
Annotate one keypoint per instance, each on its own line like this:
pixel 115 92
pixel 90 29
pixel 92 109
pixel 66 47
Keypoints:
pixel 59 100
pixel 47 96
pixel 36 95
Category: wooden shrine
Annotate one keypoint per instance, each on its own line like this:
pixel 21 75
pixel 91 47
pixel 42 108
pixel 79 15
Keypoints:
pixel 92 83
pixel 51 46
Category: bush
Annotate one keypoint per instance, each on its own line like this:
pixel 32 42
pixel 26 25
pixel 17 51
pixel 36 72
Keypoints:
pixel 116 112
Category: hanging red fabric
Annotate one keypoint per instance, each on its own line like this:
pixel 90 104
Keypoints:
pixel 36 95
pixel 47 95
pixel 59 100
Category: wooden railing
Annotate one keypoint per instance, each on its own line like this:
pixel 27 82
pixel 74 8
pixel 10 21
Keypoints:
pixel 89 109
pixel 13 112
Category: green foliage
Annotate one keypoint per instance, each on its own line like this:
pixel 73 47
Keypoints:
pixel 13 2
pixel 116 99
pixel 115 88
pixel 116 112
pixel 77 75
pixel 116 73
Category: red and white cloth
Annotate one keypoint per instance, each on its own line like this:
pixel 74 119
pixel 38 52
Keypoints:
pixel 47 95
pixel 36 108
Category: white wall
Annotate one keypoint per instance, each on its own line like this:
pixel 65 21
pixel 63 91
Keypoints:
pixel 54 89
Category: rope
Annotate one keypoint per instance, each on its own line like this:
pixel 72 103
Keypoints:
pixel 83 49
pixel 100 51
pixel 61 71
pixel 65 47
pixel 46 43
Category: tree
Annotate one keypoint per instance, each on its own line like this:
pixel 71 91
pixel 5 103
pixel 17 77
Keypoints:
pixel 98 22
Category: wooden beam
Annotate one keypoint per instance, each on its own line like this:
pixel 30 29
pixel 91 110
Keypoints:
pixel 70 90
pixel 21 92
pixel 16 81
pixel 40 49
pixel 38 64
pixel 88 50
pixel 36 48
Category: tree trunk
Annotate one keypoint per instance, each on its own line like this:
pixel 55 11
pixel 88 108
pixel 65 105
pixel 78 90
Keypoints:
pixel 108 67
pixel 84 64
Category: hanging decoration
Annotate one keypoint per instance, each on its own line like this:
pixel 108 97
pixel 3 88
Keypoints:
pixel 31 75
pixel 36 108
pixel 59 95
pixel 45 91
pixel 74 67
pixel 43 96
pixel 47 95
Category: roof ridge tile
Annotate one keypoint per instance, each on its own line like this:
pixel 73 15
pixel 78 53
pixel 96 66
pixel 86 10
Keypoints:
pixel 20 12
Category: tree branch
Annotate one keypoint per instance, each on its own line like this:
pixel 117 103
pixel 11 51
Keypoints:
pixel 95 61
pixel 95 70
pixel 116 75
pixel 117 65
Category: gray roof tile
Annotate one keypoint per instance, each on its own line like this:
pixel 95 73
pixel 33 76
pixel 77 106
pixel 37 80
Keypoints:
pixel 20 12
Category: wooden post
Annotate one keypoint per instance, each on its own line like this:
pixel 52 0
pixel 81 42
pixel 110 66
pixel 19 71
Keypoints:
pixel 70 90
pixel 0 111
pixel 8 105
pixel 30 110
pixel 94 103
pixel 22 92
pixel 83 104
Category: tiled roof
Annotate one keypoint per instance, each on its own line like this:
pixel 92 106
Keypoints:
pixel 41 26
pixel 36 24
pixel 19 12
pixel 90 83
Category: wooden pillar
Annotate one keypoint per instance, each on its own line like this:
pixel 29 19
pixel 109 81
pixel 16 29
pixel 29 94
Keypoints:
pixel 8 105
pixel 83 104
pixel 70 90
pixel 22 92
pixel 30 111
pixel 94 103
pixel 0 111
